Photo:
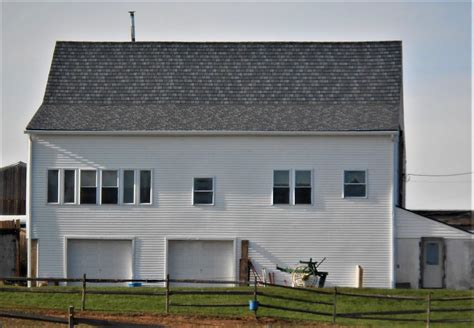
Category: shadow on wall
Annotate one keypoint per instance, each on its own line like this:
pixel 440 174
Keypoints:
pixel 263 255
pixel 460 264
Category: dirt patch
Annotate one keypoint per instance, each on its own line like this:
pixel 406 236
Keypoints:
pixel 160 320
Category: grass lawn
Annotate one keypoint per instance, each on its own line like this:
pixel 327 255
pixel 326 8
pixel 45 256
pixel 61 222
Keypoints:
pixel 156 304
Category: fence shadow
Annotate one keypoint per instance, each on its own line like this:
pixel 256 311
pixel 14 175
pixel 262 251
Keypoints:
pixel 255 293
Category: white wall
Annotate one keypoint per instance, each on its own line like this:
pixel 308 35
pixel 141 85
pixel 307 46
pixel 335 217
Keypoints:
pixel 412 225
pixel 346 231
pixel 459 266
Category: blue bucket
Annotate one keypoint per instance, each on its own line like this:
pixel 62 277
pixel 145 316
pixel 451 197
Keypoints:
pixel 253 305
pixel 134 284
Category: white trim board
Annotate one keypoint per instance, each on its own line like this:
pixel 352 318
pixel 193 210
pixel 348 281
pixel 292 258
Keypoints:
pixel 207 132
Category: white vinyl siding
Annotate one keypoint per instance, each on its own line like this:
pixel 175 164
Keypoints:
pixel 412 225
pixel 349 232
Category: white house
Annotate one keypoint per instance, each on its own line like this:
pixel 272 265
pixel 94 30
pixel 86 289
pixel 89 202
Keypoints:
pixel 148 158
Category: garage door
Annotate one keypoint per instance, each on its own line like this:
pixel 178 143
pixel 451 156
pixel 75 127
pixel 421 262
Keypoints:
pixel 99 258
pixel 201 259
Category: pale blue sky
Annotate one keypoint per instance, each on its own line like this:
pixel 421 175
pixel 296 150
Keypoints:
pixel 436 53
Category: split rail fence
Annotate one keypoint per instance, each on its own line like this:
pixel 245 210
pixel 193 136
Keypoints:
pixel 255 292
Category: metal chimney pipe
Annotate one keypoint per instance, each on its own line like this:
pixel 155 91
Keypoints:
pixel 132 17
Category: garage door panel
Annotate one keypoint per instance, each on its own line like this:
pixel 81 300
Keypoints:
pixel 201 259
pixel 106 259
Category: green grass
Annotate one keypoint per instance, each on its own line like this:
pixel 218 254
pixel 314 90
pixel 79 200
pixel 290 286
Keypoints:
pixel 156 304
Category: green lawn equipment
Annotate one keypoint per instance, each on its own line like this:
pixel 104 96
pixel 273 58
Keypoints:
pixel 306 275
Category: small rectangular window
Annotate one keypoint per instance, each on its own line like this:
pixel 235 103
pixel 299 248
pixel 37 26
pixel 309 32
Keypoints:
pixel 303 187
pixel 281 187
pixel 128 187
pixel 88 187
pixel 145 187
pixel 69 186
pixel 203 191
pixel 53 186
pixel 109 187
pixel 355 184
pixel 432 253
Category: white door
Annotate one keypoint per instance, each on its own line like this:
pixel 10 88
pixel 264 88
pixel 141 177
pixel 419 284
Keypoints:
pixel 99 258
pixel 433 263
pixel 201 259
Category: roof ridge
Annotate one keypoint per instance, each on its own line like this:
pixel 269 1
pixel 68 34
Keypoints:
pixel 234 42
pixel 19 163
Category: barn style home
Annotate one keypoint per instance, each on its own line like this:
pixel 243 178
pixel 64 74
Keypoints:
pixel 155 158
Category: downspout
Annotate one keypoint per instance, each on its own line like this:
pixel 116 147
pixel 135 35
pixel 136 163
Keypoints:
pixel 28 207
pixel 395 199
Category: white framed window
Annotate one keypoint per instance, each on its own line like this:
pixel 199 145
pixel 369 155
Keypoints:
pixel 355 184
pixel 281 187
pixel 69 186
pixel 203 191
pixel 53 186
pixel 109 187
pixel 128 186
pixel 88 187
pixel 303 193
pixel 145 186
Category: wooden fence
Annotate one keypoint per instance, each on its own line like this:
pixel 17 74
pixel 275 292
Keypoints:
pixel 255 292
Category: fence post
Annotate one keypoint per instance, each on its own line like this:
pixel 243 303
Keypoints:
pixel 83 304
pixel 70 317
pixel 334 308
pixel 428 310
pixel 255 292
pixel 167 304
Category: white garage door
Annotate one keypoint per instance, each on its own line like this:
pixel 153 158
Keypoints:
pixel 201 259
pixel 99 258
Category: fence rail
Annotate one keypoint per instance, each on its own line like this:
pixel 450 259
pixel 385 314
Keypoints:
pixel 294 299
pixel 387 297
pixel 69 319
pixel 29 316
pixel 285 308
pixel 253 293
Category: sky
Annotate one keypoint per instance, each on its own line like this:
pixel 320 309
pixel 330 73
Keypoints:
pixel 437 59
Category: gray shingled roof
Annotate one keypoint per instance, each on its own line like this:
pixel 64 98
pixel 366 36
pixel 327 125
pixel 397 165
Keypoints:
pixel 220 86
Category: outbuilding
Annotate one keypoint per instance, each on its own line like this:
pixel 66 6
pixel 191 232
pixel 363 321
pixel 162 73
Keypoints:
pixel 432 254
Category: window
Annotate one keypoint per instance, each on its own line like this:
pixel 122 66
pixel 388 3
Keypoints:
pixel 432 253
pixel 109 193
pixel 128 187
pixel 203 191
pixel 355 184
pixel 69 186
pixel 53 186
pixel 145 187
pixel 281 187
pixel 88 187
pixel 303 187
